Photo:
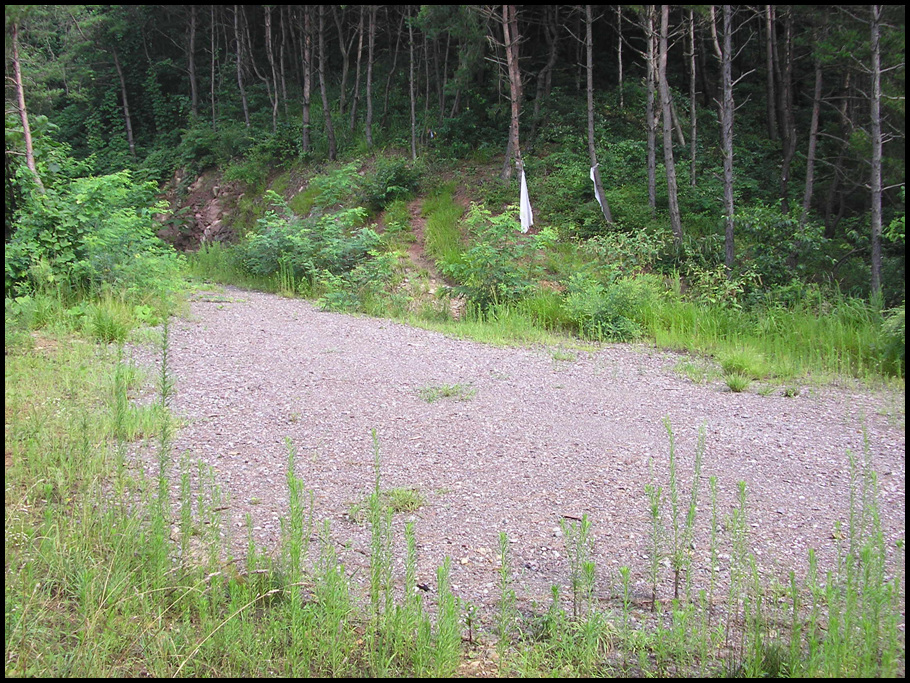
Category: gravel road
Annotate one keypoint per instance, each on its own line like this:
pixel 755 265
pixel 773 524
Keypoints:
pixel 540 435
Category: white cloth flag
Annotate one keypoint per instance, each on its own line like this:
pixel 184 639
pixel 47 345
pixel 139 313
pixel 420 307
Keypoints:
pixel 524 212
pixel 596 191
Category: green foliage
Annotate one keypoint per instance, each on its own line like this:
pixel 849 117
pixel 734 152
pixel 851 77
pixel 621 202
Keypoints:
pixel 329 247
pixel 617 311
pixel 893 342
pixel 394 178
pixel 91 234
pixel 626 253
pixel 776 248
pixel 717 287
pixel 442 233
pixel 501 265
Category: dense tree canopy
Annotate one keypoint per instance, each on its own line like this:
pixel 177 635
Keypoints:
pixel 795 110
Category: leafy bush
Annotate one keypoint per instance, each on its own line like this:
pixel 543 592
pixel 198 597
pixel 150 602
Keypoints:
pixel 91 234
pixel 616 311
pixel 393 179
pixel 627 253
pixel 501 265
pixel 307 248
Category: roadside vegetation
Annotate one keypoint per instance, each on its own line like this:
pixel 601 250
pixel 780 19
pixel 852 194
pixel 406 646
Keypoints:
pixel 115 571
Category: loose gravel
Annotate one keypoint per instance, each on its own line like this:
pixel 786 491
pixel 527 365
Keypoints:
pixel 538 436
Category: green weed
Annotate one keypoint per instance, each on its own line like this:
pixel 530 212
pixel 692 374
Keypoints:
pixel 458 392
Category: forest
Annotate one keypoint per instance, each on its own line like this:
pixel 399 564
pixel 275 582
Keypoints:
pixel 766 139
pixel 725 181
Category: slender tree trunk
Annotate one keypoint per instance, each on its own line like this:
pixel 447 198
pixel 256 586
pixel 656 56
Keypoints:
pixel 23 112
pixel 510 35
pixel 622 104
pixel 650 111
pixel 787 117
pixel 126 105
pixel 813 140
pixel 442 82
pixel 669 161
pixel 326 111
pixel 412 92
pixel 355 100
pixel 270 53
pixel 284 38
pixel 392 72
pixel 693 118
pixel 771 96
pixel 592 151
pixel 551 32
pixel 239 38
pixel 876 131
pixel 345 49
pixel 725 58
pixel 370 48
pixel 307 59
pixel 213 69
pixel 191 64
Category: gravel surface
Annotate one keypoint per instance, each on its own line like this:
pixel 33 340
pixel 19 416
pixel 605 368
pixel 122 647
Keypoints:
pixel 541 435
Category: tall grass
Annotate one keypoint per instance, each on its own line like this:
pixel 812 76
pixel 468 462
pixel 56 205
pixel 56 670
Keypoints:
pixel 840 338
pixel 443 237
pixel 109 573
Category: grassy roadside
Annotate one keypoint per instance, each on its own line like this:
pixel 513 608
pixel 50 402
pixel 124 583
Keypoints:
pixel 112 572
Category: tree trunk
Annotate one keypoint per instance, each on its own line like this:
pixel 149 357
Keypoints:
pixel 191 65
pixel 355 100
pixel 622 104
pixel 345 50
pixel 510 35
pixel 23 113
pixel 788 122
pixel 326 111
pixel 669 161
pixel 693 118
pixel 411 84
pixel 238 37
pixel 725 58
pixel 592 152
pixel 370 48
pixel 213 70
pixel 813 140
pixel 270 53
pixel 284 38
pixel 126 105
pixel 388 81
pixel 771 96
pixel 307 59
pixel 650 112
pixel 544 77
pixel 876 134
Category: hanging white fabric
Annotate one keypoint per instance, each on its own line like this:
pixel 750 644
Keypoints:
pixel 525 212
pixel 596 190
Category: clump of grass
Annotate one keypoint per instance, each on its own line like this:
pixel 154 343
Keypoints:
pixel 458 392
pixel 394 501
pixel 442 234
pixel 744 361
pixel 737 381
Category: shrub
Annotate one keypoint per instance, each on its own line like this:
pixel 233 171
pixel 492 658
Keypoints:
pixel 92 234
pixel 306 248
pixel 614 312
pixel 393 179
pixel 501 265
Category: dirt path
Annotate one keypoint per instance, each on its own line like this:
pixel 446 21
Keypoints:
pixel 544 436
